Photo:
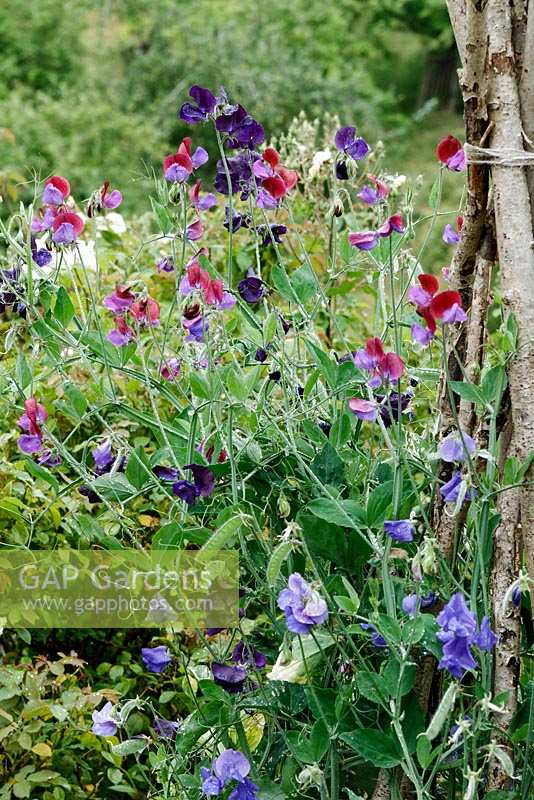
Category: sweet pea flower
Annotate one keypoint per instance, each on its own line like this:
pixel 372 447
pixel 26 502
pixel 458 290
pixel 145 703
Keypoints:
pixel 395 223
pixel 274 179
pixel 271 234
pixel 240 174
pixel 411 603
pixel 365 240
pixel 104 721
pixel 41 256
pixel 103 457
pixel 56 190
pixel 67 226
pixel 242 129
pixel 201 203
pixel 422 336
pixel 165 728
pixel 121 334
pixel 371 195
pixel 450 491
pixel 451 236
pixel 119 300
pixel 347 142
pixel 166 264
pixel 178 167
pixel 451 153
pixel 194 231
pixel 382 366
pixel 231 678
pixel 204 107
pixel 376 637
pixel 365 410
pixel 171 369
pixel 156 659
pixel 432 306
pixel 456 447
pixel 145 311
pixel 43 221
pixel 246 655
pixel 230 766
pixel 202 485
pixel 251 289
pixel 400 530
pixel 302 605
pixel 459 633
pixel 35 415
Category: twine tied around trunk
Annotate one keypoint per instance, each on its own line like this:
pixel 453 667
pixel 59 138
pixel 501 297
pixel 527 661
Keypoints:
pixel 499 157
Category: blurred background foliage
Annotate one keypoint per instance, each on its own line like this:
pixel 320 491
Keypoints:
pixel 90 89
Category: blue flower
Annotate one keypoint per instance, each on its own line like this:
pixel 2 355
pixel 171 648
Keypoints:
pixel 459 633
pixel 400 530
pixel 156 659
pixel 302 605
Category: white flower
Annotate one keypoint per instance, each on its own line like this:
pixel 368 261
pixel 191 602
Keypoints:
pixel 112 221
pixel 320 157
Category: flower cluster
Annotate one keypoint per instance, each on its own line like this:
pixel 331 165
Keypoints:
pixel 302 605
pixel 143 309
pixel 230 768
pixel 434 307
pixel 65 225
pixel 459 633
pixel 368 240
pixel 380 365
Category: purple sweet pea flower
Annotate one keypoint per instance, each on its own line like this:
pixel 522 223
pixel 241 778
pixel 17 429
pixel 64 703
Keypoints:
pixel 410 603
pixel 266 200
pixel 457 162
pixel 450 491
pixel 346 141
pixel 204 479
pixel 30 444
pixel 240 173
pixel 422 336
pixel 450 236
pixel 165 728
pixel 516 597
pixel 392 406
pixel 365 410
pixel 454 314
pixel 231 765
pixel 211 786
pixel 400 530
pixel 376 638
pixel 43 221
pixel 166 264
pixel 246 655
pixel 49 459
pixel 238 220
pixel 196 328
pixel 103 457
pixel 261 355
pixel 170 369
pixel 271 233
pixel 251 289
pixel 205 101
pixel 342 173
pixel 244 791
pixel 166 473
pixel 452 449
pixel 302 605
pixel 186 491
pixel 119 300
pixel 41 257
pixel 365 240
pixel 231 678
pixel 64 234
pixel 485 639
pixel 156 659
pixel 112 200
pixel 104 723
pixel 458 629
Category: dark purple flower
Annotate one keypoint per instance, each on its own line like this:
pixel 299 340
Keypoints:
pixel 205 101
pixel 261 355
pixel 271 233
pixel 302 605
pixel 231 678
pixel 238 220
pixel 166 473
pixel 186 491
pixel 156 659
pixel 275 375
pixel 347 141
pixel 90 494
pixel 342 173
pixel 376 638
pixel 243 130
pixel 204 479
pixel 400 530
pixel 246 655
pixel 166 264
pixel 165 728
pixel 240 172
pixel 516 597
pixel 251 289
pixel 392 406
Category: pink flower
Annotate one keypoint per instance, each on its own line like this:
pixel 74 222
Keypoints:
pixel 145 311
pixel 122 333
pixel 67 226
pixel 194 231
pixel 30 422
pixel 364 409
pixel 371 196
pixel 381 365
pixel 109 199
pixel 171 369
pixel 275 179
pixel 120 300
pixel 365 240
pixel 178 167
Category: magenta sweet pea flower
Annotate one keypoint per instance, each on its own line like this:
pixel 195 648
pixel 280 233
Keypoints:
pixel 365 410
pixel 67 226
pixel 171 369
pixel 394 223
pixel 122 334
pixel 381 365
pixel 178 167
pixel 145 311
pixel 451 153
pixel 365 240
pixel 201 203
pixel 30 422
pixel 119 300
pixel 194 231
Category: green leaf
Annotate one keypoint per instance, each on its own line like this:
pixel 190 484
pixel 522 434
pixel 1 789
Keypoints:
pixel 341 512
pixel 128 747
pixel 114 487
pixel 41 472
pixel 326 365
pixel 200 385
pixel 63 308
pixel 22 371
pixel 392 677
pixel 138 470
pixel 76 398
pixel 281 281
pixel 341 431
pixel 328 466
pixel 493 385
pixel 164 219
pixel 304 283
pixel 468 391
pixel 378 504
pixel 374 746
pixel 423 750
pixel 372 686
